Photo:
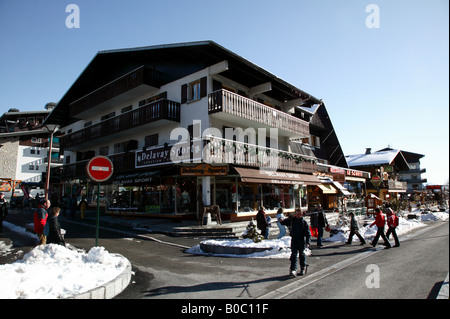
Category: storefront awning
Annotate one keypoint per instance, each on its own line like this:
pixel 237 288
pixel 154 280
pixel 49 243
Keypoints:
pixel 249 175
pixel 341 188
pixel 327 189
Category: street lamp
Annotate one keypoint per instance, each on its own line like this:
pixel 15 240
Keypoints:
pixel 52 128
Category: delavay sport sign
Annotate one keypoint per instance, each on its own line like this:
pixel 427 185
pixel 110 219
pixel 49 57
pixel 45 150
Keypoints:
pixel 99 168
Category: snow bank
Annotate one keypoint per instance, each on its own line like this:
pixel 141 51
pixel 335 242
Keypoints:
pixel 53 271
pixel 280 247
pixel 436 216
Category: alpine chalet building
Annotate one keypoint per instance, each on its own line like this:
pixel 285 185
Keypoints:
pixel 192 123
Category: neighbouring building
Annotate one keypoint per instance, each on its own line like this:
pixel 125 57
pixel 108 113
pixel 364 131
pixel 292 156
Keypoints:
pixel 24 150
pixel 394 172
pixel 194 122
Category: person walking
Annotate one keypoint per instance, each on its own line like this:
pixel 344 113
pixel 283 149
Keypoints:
pixel 319 221
pixel 40 219
pixel 83 205
pixel 54 228
pixel 380 222
pixel 3 210
pixel 261 222
pixel 392 222
pixel 300 239
pixel 280 217
pixel 354 230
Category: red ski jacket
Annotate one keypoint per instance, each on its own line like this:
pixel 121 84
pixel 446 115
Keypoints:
pixel 392 220
pixel 379 220
pixel 40 218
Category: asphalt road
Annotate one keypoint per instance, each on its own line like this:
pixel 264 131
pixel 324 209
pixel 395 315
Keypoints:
pixel 162 270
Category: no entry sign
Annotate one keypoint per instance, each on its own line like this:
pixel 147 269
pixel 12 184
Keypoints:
pixel 99 168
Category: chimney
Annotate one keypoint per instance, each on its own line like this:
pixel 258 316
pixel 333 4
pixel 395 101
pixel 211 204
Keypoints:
pixel 368 150
pixel 50 106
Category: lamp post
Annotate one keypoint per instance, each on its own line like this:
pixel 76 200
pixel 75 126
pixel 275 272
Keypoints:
pixel 52 128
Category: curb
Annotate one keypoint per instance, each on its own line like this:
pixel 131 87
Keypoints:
pixel 443 292
pixel 110 289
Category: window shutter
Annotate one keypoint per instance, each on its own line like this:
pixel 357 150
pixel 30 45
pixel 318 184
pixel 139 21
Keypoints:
pixel 184 93
pixel 203 88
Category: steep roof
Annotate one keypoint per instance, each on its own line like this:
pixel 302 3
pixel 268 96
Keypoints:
pixel 377 158
pixel 173 61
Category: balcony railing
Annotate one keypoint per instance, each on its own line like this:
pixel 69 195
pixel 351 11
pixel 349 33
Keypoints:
pixel 237 105
pixel 223 151
pixel 123 162
pixel 129 81
pixel 160 110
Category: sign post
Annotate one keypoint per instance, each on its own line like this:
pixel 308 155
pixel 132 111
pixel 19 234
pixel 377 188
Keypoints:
pixel 99 169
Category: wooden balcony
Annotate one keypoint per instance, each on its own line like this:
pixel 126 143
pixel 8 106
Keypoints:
pixel 133 83
pixel 241 110
pixel 159 110
pixel 223 151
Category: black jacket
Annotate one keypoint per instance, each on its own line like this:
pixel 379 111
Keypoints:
pixel 318 219
pixel 54 231
pixel 3 209
pixel 299 228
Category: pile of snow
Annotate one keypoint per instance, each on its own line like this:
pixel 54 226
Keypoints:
pixel 53 271
pixel 5 249
pixel 280 247
pixel 435 216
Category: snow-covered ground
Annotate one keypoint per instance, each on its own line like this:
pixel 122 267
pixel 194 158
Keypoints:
pixel 53 271
pixel 280 247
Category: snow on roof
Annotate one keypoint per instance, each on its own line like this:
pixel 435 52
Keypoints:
pixel 377 158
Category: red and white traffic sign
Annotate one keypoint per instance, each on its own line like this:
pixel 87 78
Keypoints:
pixel 100 168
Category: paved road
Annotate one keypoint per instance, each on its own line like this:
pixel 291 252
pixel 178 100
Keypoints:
pixel 163 270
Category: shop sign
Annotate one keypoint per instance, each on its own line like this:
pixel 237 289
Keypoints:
pixel 339 178
pixel 388 169
pixel 336 170
pixel 204 170
pixel 354 173
pixel 152 157
pixel 375 180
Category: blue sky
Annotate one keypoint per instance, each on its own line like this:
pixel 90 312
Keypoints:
pixel 382 86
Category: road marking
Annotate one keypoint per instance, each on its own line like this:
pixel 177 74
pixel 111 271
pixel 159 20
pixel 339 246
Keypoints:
pixel 297 284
